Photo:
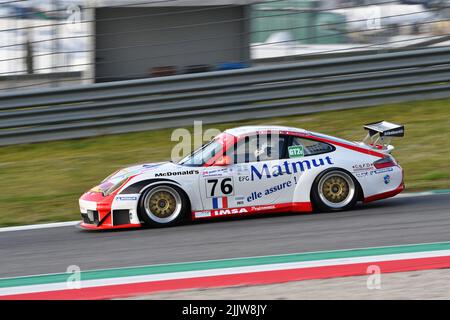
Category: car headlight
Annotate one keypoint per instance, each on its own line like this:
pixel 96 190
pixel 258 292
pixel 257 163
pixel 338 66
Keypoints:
pixel 114 187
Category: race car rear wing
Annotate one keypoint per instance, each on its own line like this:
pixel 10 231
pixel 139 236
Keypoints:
pixel 380 133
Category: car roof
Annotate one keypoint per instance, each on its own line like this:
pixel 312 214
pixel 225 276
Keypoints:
pixel 247 130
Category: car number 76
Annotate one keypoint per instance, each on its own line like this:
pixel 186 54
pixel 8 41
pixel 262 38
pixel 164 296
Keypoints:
pixel 219 187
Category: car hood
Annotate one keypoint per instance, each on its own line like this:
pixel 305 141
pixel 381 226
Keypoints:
pixel 137 169
pixel 123 174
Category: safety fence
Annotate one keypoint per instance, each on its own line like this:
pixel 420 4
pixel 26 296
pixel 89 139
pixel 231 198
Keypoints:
pixel 220 96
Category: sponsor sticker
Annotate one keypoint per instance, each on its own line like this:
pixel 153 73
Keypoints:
pixel 262 208
pixel 394 132
pixel 296 151
pixel 177 173
pixel 122 198
pixel 381 171
pixel 233 211
pixel 387 179
pixel 362 167
pixel 361 174
pixel 215 173
pixel 225 212
pixel 239 200
pixel 366 173
pixel 287 167
pixel 202 214
pixel 257 195
pixel 242 169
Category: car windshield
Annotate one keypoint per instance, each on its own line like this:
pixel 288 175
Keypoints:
pixel 206 152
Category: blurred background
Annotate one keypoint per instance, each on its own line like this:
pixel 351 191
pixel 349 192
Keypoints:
pixel 91 86
pixel 88 87
pixel 50 43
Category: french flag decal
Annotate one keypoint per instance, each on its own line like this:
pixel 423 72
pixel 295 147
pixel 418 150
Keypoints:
pixel 221 202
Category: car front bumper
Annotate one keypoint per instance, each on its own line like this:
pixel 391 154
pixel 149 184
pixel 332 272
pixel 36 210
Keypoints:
pixel 98 213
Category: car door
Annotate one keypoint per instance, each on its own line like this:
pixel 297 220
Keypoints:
pixel 255 177
pixel 257 171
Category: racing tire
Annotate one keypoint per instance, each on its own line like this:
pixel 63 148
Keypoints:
pixel 335 190
pixel 163 206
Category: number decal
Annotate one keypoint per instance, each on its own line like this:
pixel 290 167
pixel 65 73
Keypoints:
pixel 225 188
pixel 213 188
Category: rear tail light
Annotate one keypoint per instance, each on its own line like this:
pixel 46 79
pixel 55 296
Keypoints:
pixel 385 163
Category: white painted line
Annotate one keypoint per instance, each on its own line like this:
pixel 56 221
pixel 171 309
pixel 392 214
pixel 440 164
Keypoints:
pixel 221 271
pixel 421 194
pixel 414 194
pixel 40 226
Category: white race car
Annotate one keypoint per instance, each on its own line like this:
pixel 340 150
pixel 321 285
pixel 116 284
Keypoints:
pixel 250 170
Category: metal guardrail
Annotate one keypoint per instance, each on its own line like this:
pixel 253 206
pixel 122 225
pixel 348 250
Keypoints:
pixel 259 92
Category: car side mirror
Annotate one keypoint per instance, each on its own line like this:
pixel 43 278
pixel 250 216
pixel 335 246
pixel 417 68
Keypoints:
pixel 223 161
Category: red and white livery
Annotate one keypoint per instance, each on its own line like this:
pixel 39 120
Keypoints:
pixel 250 170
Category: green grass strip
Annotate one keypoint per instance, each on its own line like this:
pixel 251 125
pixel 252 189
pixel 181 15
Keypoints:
pixel 441 191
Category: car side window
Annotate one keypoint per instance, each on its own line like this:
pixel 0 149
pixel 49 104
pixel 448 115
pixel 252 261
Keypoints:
pixel 310 147
pixel 259 148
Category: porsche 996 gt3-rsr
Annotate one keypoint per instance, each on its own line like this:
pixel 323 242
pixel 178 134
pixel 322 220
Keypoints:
pixel 250 170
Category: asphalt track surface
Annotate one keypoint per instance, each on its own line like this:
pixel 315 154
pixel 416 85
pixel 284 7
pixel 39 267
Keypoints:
pixel 394 221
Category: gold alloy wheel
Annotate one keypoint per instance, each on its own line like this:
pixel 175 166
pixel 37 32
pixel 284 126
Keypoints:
pixel 335 189
pixel 162 204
